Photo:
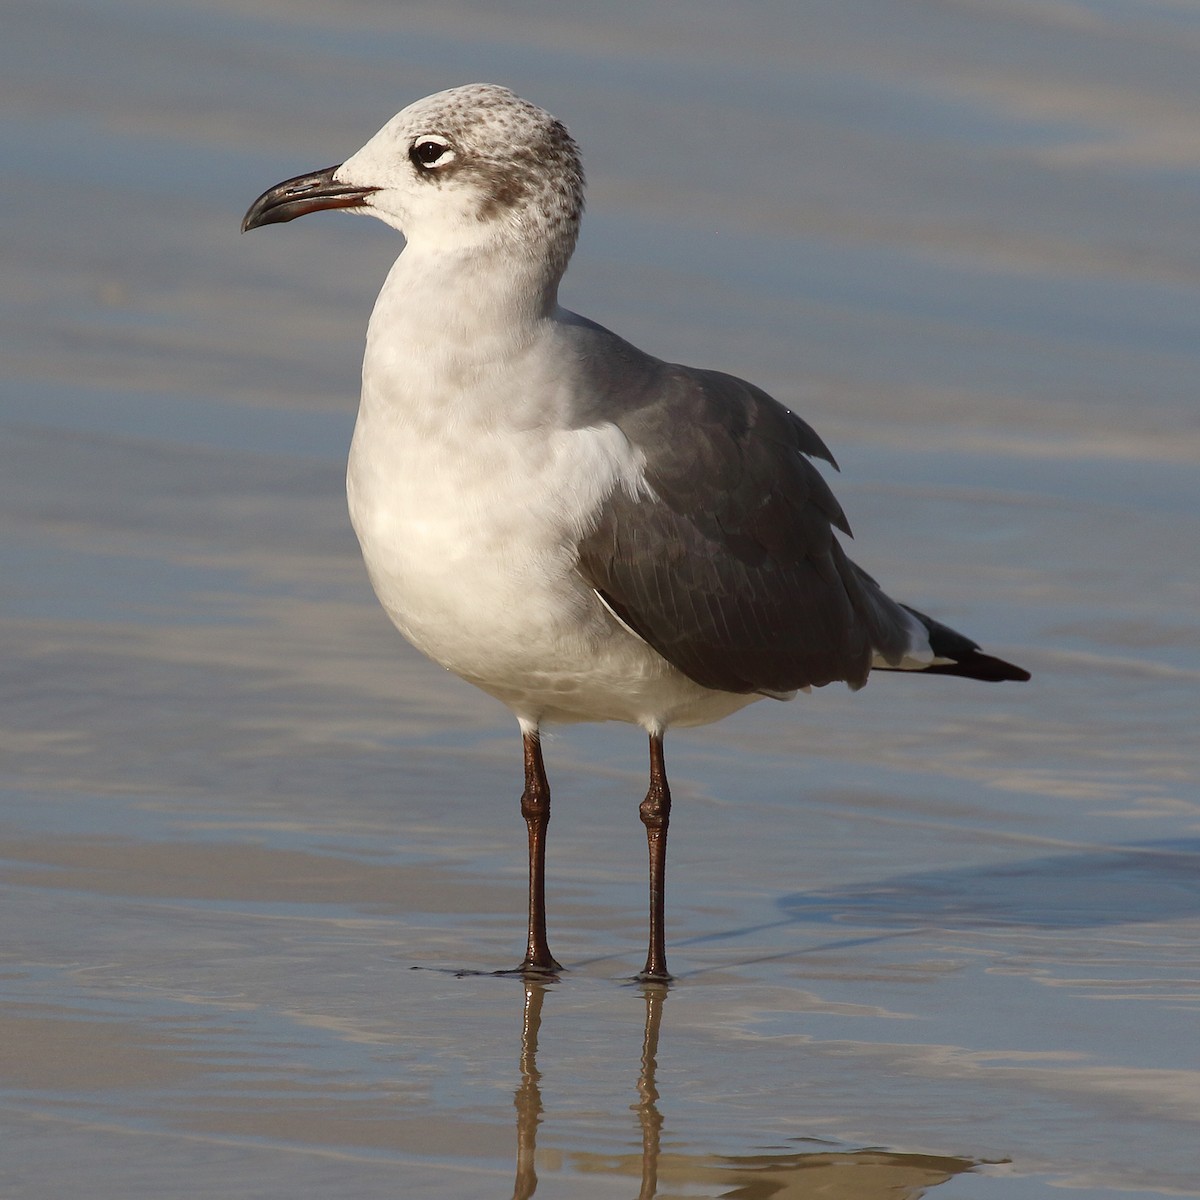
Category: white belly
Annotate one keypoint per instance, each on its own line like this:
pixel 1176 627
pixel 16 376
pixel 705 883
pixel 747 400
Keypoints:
pixel 469 539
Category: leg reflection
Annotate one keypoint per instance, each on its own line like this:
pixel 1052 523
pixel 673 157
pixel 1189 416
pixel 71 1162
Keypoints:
pixel 649 1117
pixel 528 1096
pixel 527 1099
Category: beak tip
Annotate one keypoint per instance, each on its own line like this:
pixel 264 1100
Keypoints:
pixel 264 211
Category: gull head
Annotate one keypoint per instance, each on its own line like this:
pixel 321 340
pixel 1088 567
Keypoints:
pixel 464 169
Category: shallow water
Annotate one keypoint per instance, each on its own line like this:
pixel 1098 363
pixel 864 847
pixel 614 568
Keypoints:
pixel 932 937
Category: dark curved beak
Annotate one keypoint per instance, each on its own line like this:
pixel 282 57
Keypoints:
pixel 306 193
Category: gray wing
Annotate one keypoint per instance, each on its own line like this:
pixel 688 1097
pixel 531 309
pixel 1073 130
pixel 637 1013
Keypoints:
pixel 729 567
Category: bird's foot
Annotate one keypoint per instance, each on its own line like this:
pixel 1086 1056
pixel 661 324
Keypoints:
pixel 659 977
pixel 541 966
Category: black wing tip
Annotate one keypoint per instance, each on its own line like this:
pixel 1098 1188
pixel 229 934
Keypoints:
pixel 967 660
pixel 980 666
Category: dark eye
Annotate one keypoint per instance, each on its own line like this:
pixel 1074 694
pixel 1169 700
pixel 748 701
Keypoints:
pixel 428 153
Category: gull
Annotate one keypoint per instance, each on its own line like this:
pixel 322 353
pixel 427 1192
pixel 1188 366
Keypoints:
pixel 581 530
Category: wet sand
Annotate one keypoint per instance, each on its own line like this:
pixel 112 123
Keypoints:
pixel 932 937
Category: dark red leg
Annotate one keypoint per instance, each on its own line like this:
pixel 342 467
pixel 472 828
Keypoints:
pixel 535 808
pixel 655 812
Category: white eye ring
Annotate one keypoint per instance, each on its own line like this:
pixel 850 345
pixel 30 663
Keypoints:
pixel 428 153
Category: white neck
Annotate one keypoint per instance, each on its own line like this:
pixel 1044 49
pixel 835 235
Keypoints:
pixel 456 307
pixel 448 346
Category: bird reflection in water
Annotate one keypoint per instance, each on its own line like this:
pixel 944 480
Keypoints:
pixel 833 1175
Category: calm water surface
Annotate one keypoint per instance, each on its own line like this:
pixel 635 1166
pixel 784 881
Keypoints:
pixel 932 938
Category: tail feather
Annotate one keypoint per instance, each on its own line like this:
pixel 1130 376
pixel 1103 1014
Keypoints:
pixel 961 656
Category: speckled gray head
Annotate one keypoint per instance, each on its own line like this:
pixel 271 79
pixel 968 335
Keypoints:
pixel 469 167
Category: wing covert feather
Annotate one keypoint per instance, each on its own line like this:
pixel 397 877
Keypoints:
pixel 729 566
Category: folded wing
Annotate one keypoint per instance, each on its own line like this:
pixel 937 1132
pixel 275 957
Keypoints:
pixel 726 560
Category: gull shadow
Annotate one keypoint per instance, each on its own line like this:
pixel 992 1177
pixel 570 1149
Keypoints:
pixel 1093 888
pixel 825 1170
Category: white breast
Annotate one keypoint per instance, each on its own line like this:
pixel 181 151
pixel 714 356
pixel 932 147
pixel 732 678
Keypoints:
pixel 467 534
